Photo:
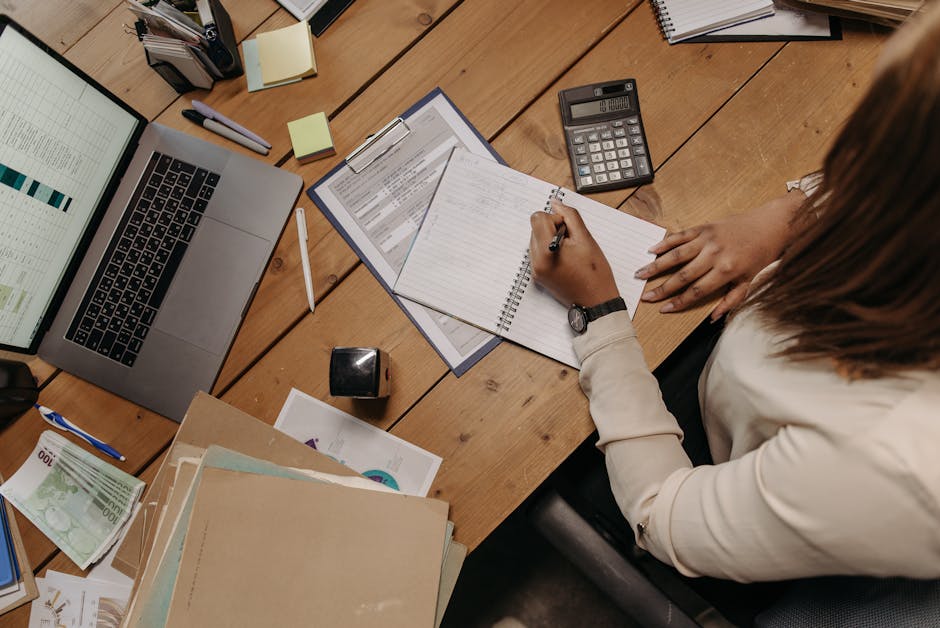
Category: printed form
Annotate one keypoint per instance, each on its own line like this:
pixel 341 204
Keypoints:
pixel 379 211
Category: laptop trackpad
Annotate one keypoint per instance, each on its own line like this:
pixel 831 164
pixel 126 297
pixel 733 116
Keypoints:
pixel 218 273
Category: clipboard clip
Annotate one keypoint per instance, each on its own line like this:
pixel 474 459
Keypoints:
pixel 377 145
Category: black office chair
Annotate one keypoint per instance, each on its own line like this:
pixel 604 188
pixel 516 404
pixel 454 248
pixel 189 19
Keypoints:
pixel 656 596
pixel 575 511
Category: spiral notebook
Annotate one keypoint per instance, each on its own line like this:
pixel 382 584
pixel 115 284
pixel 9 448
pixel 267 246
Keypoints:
pixel 470 257
pixel 683 19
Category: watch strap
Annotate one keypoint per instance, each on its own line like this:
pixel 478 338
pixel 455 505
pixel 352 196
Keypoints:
pixel 605 308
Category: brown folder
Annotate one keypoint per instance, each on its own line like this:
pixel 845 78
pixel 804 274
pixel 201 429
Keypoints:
pixel 209 421
pixel 270 551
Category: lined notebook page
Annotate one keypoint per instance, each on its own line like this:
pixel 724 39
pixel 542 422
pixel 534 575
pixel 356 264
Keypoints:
pixel 625 241
pixel 475 236
pixel 473 240
pixel 683 19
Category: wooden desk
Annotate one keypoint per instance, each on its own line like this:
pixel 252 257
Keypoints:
pixel 727 124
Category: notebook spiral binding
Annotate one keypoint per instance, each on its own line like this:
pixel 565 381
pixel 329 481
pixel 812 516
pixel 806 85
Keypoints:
pixel 523 277
pixel 511 304
pixel 661 11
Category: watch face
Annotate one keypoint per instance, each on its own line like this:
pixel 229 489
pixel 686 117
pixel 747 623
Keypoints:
pixel 576 319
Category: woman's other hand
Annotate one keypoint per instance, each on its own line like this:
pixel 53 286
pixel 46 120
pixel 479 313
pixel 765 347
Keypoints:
pixel 720 256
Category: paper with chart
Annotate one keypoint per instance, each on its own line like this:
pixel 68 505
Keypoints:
pixel 372 452
pixel 481 211
pixel 57 152
pixel 379 210
pixel 66 600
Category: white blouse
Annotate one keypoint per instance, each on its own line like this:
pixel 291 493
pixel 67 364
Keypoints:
pixel 813 474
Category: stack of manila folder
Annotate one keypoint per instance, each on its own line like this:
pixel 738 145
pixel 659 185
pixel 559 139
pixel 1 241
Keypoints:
pixel 245 526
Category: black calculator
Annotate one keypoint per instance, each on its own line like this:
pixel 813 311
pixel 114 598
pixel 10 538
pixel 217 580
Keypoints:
pixel 604 132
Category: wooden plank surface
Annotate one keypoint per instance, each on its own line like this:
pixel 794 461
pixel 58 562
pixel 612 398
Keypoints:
pixel 727 125
pixel 461 56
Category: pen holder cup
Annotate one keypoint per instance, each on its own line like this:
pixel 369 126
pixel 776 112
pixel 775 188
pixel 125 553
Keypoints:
pixel 360 372
pixel 222 52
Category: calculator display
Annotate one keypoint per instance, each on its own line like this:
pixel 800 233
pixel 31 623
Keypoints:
pixel 597 107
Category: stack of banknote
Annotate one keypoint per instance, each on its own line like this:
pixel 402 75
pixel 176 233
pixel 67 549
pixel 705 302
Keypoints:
pixel 77 499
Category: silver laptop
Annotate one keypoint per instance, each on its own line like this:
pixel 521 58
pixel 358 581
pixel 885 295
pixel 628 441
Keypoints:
pixel 128 251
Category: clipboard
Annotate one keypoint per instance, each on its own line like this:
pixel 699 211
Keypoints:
pixel 377 144
pixel 378 147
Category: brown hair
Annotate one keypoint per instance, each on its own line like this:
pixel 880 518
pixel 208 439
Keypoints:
pixel 861 285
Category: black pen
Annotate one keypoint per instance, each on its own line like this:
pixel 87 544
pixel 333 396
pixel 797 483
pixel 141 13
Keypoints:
pixel 556 241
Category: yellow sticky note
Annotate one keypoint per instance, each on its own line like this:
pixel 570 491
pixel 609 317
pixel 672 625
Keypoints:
pixel 310 136
pixel 286 53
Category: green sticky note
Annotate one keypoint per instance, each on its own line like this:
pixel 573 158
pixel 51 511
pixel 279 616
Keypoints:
pixel 311 138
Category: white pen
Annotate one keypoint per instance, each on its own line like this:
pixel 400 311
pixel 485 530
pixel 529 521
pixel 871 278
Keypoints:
pixel 304 256
pixel 220 129
pixel 209 112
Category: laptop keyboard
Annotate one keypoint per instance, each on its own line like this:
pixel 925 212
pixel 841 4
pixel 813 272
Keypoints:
pixel 132 278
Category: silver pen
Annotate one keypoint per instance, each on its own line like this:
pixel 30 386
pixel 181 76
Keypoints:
pixel 224 131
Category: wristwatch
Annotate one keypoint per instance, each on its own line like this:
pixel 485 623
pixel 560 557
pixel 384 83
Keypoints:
pixel 579 317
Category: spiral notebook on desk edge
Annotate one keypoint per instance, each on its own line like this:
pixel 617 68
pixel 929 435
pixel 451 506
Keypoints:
pixel 683 19
pixel 470 257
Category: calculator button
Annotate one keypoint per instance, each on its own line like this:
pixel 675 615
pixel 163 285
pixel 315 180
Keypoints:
pixel 619 133
pixel 610 155
pixel 614 175
pixel 582 160
pixel 642 166
pixel 578 139
pixel 587 181
pixel 639 150
pixel 628 173
pixel 617 123
pixel 633 120
pixel 580 150
pixel 634 130
pixel 606 135
pixel 607 145
pixel 594 147
pixel 636 140
pixel 611 165
pixel 623 153
pixel 597 158
pixel 599 168
pixel 620 143
pixel 584 170
pixel 626 163
pixel 601 178
pixel 593 137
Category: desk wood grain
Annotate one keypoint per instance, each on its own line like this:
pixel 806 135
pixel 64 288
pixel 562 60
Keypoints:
pixel 727 125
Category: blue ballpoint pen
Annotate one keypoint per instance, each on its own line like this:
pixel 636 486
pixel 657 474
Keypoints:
pixel 57 420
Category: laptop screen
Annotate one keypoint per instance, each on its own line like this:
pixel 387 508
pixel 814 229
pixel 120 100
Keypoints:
pixel 61 141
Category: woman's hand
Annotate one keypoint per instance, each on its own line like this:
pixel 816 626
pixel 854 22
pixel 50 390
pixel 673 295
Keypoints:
pixel 578 272
pixel 721 256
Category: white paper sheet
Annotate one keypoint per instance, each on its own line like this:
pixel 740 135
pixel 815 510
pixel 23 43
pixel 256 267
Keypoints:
pixel 375 453
pixel 66 600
